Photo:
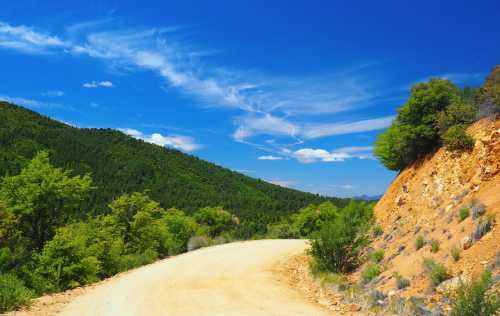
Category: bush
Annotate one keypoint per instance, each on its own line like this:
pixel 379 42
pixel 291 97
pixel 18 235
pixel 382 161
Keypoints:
pixel 371 271
pixel 338 245
pixel 455 253
pixel 419 243
pixel 437 272
pixel 13 293
pixel 216 219
pixel 310 219
pixel 434 246
pixel 198 242
pixel 463 214
pixel 456 138
pixel 281 231
pixel 377 230
pixel 401 282
pixel 473 298
pixel 377 255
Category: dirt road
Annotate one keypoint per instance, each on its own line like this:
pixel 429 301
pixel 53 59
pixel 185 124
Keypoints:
pixel 231 279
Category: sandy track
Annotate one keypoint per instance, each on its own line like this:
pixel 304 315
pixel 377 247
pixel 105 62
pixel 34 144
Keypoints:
pixel 231 279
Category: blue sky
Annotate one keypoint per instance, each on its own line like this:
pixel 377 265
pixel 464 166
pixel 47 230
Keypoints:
pixel 292 92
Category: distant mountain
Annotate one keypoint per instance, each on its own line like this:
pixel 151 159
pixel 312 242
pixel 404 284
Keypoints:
pixel 119 163
pixel 365 197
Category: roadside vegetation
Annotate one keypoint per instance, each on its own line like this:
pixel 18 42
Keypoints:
pixel 437 113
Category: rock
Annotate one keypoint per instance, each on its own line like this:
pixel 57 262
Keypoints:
pixel 450 285
pixel 480 230
pixel 466 242
pixel 354 308
pixel 391 293
pixel 477 210
pixel 377 295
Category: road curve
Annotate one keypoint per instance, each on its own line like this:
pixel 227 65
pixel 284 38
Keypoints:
pixel 231 279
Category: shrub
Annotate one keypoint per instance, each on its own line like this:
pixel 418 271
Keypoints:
pixel 473 299
pixel 310 219
pixel 216 219
pixel 434 246
pixel 437 272
pixel 455 253
pixel 198 242
pixel 371 271
pixel 463 214
pixel 377 255
pixel 377 230
pixel 456 138
pixel 339 243
pixel 419 243
pixel 13 293
pixel 401 282
pixel 281 231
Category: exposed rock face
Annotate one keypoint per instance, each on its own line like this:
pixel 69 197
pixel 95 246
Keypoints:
pixel 424 201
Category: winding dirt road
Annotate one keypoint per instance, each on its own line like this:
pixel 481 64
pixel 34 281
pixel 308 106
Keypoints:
pixel 231 279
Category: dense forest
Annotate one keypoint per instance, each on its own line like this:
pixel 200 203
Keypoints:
pixel 121 164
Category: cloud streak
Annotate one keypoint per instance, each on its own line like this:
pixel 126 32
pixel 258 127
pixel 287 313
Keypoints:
pixel 184 143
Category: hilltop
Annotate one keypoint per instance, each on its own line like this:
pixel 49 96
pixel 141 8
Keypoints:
pixel 121 164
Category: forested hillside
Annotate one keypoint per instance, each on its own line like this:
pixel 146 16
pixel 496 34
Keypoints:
pixel 121 164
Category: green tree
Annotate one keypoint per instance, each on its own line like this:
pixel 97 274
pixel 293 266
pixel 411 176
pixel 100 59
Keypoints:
pixel 71 258
pixel 216 219
pixel 432 109
pixel 138 218
pixel 310 219
pixel 181 228
pixel 42 198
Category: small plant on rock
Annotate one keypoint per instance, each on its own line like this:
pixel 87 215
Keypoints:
pixel 377 256
pixel 463 214
pixel 371 271
pixel 419 243
pixel 455 253
pixel 401 282
pixel 437 272
pixel 474 299
pixel 434 246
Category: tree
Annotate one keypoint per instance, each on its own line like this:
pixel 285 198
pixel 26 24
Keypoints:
pixel 138 218
pixel 71 258
pixel 489 94
pixel 216 219
pixel 311 218
pixel 181 228
pixel 42 198
pixel 432 108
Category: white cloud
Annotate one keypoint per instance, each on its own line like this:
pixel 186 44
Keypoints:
pixel 346 187
pixel 97 84
pixel 321 130
pixel 310 155
pixel 272 104
pixel 53 93
pixel 264 124
pixel 29 103
pixel 26 40
pixel 181 142
pixel 283 183
pixel 270 157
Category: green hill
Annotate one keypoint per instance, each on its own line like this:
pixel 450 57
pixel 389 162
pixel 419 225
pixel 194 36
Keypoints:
pixel 119 163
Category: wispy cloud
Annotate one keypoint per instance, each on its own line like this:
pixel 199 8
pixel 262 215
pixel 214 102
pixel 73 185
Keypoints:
pixel 30 103
pixel 282 183
pixel 53 93
pixel 27 40
pixel 270 157
pixel 98 84
pixel 181 142
pixel 266 104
